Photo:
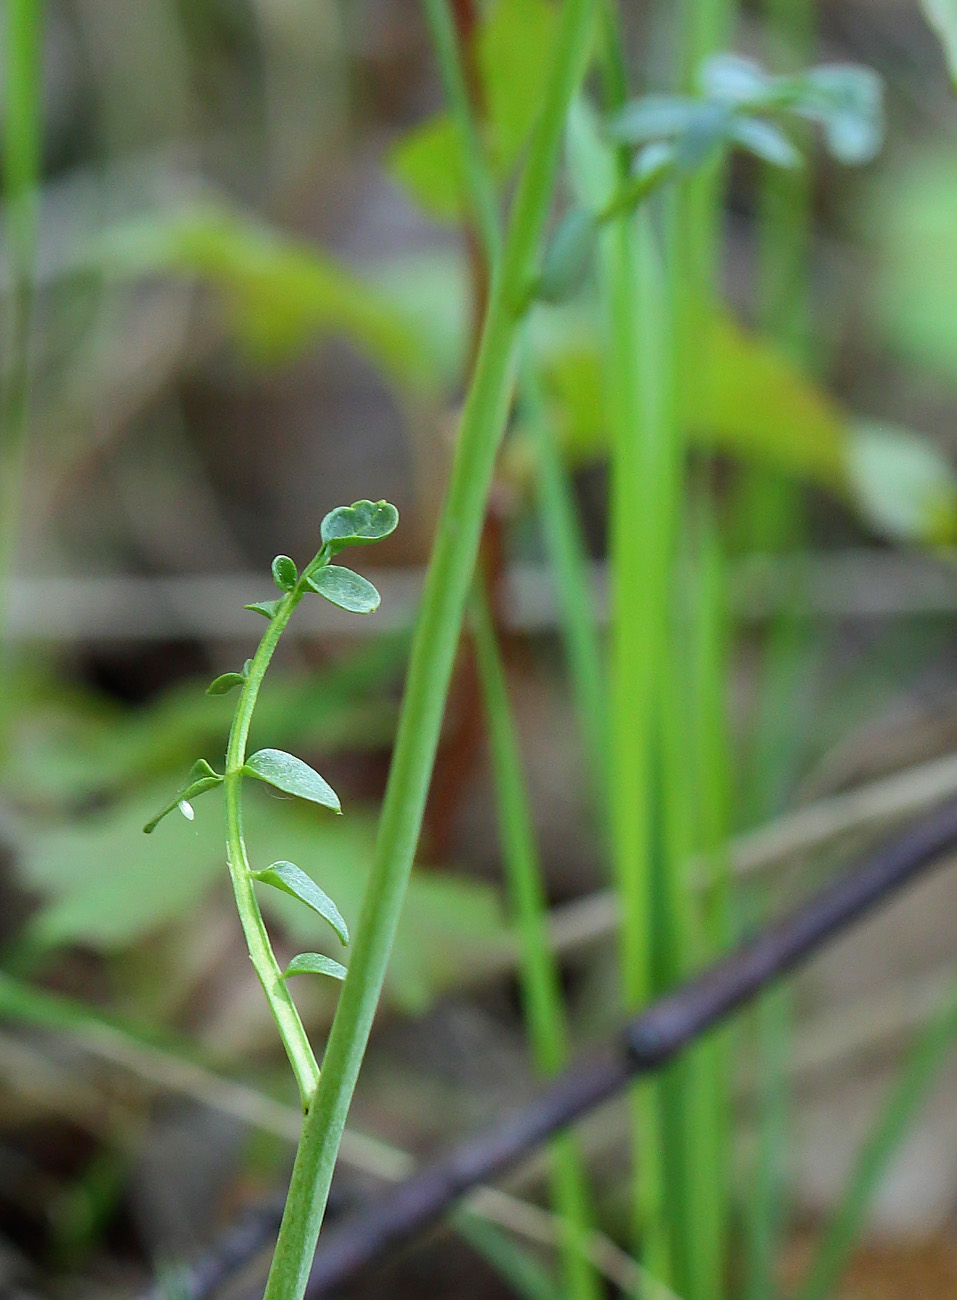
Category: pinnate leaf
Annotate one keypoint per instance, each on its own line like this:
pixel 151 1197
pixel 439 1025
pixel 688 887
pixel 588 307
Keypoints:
pixel 291 775
pixel 293 880
pixel 284 572
pixel 315 963
pixel 265 607
pixel 344 588
pixel 358 524
pixel 201 778
pixel 225 683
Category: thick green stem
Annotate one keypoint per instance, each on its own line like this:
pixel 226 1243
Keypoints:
pixel 433 651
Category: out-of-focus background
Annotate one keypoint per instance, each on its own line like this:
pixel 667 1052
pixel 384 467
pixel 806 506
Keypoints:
pixel 244 316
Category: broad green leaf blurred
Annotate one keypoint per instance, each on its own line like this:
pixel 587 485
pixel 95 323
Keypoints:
pixel 282 292
pixel 914 217
pixel 513 52
pixel 104 885
pixel 70 746
pixel 426 162
pixel 902 484
pixel 751 402
pixel 512 48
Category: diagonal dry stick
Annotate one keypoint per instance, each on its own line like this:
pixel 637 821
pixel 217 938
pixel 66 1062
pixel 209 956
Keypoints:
pixel 643 1046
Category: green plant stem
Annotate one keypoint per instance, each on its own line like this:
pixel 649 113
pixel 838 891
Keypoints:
pixel 694 743
pixel 562 533
pixel 772 511
pixel 541 986
pixel 785 197
pixel 543 1000
pixel 641 535
pixel 22 92
pixel 926 1058
pixel 478 178
pixel 568 561
pixel 280 1001
pixel 433 651
pixel 643 464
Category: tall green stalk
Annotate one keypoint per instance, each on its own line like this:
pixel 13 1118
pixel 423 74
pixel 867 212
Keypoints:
pixel 541 986
pixel 544 1008
pixel 694 728
pixel 772 516
pixel 433 651
pixel 22 117
pixel 641 534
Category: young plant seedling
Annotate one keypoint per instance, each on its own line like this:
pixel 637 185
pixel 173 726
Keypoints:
pixel 355 525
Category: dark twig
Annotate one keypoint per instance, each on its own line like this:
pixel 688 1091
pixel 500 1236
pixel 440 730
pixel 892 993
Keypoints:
pixel 642 1046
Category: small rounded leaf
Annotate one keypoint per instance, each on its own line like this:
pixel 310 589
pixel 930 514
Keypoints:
pixel 344 588
pixel 733 79
pixel 314 963
pixel 294 881
pixel 765 140
pixel 265 607
pixel 222 685
pixel 707 130
pixel 291 775
pixel 355 525
pixel 201 778
pixel 284 572
pixel 847 100
pixel 653 117
pixel 566 259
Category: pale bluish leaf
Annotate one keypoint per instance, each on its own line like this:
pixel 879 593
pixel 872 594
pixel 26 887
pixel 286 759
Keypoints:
pixel 291 775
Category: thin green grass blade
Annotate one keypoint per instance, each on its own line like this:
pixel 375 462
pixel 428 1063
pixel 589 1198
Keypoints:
pixel 541 986
pixel 773 516
pixel 928 1056
pixel 527 1277
pixel 568 561
pixel 22 78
